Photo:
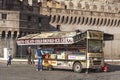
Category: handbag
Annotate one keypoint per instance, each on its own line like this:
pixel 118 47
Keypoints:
pixel 36 56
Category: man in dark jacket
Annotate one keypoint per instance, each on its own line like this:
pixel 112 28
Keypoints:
pixel 39 54
pixel 29 55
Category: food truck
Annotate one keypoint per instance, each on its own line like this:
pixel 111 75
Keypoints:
pixel 70 50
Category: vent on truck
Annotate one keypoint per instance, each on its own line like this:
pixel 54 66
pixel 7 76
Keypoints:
pixel 96 62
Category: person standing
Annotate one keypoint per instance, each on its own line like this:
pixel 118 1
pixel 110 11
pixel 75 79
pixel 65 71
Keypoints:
pixel 33 51
pixel 9 59
pixel 39 53
pixel 29 53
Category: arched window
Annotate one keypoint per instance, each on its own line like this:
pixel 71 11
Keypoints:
pixel 71 19
pixel 101 22
pixel 109 8
pixel 54 18
pixel 62 19
pixel 15 34
pixel 67 18
pixel 58 18
pixel 78 20
pixel 102 8
pixel 94 21
pixel 91 19
pixel 79 6
pixel 74 21
pixel 105 22
pixel 9 34
pixel 116 9
pixel 87 6
pixel 63 5
pixel 71 5
pixel 58 27
pixel 3 34
pixel 94 7
pixel 86 20
pixel 83 19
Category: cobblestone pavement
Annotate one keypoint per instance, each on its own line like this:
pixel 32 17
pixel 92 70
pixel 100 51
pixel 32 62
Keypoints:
pixel 28 72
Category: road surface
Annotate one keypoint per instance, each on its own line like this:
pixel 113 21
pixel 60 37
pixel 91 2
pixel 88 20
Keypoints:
pixel 28 72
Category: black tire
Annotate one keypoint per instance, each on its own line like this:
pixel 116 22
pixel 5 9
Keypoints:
pixel 77 67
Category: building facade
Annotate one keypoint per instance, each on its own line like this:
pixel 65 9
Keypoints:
pixel 22 17
pixel 19 18
pixel 71 15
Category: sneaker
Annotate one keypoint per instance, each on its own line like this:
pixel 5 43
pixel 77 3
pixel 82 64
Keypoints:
pixel 37 70
pixel 41 70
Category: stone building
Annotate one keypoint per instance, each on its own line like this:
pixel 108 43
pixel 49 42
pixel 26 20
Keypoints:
pixel 70 15
pixel 19 18
pixel 32 16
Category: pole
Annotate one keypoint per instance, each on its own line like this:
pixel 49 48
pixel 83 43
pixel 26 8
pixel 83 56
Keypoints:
pixel 21 51
pixel 111 51
pixel 87 70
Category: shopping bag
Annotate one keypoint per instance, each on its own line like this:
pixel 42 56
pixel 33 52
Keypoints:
pixel 36 56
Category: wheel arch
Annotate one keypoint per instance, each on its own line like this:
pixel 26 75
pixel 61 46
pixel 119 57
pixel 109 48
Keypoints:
pixel 77 66
pixel 76 62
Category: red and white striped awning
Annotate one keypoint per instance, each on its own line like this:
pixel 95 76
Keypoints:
pixel 47 38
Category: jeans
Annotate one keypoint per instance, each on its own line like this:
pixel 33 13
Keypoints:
pixel 8 62
pixel 39 63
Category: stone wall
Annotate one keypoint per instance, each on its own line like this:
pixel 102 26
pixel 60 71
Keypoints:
pixel 9 30
pixel 100 15
pixel 19 18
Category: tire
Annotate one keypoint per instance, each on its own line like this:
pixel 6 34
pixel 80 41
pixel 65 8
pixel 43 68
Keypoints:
pixel 77 67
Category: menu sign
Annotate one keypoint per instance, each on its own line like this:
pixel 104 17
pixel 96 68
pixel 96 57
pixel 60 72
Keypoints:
pixel 45 41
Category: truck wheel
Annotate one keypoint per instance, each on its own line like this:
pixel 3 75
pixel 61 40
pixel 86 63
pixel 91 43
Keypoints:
pixel 77 67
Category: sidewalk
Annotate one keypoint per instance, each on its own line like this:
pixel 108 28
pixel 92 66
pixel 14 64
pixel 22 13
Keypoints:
pixel 115 62
pixel 2 60
pixel 16 61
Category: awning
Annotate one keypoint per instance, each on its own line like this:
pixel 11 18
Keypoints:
pixel 47 38
pixel 108 37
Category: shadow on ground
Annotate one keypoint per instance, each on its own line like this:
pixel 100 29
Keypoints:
pixel 113 67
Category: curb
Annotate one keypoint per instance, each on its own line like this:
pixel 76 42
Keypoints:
pixel 2 60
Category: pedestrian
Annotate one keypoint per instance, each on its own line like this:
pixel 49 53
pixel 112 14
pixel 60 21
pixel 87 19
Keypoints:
pixel 29 54
pixel 39 53
pixel 33 51
pixel 9 59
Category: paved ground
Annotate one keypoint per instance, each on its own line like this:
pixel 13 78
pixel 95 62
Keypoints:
pixel 27 72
